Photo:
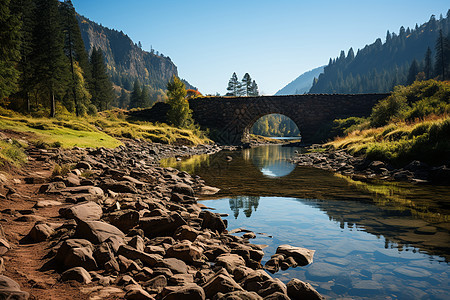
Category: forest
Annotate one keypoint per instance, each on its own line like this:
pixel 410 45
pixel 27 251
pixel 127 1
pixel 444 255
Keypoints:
pixel 419 53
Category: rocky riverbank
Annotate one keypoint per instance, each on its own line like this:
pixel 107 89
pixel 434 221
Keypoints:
pixel 363 169
pixel 112 224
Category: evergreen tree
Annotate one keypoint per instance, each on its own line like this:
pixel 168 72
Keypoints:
pixel 123 99
pixel 49 63
pixel 73 46
pixel 10 43
pixel 101 87
pixel 412 73
pixel 145 97
pixel 179 113
pixel 441 61
pixel 254 89
pixel 428 64
pixel 246 84
pixel 24 10
pixel 135 97
pixel 234 86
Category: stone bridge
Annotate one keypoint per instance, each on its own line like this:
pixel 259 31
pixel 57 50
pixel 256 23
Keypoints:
pixel 230 118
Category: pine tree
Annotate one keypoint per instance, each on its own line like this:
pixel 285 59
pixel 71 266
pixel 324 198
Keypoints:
pixel 145 97
pixel 10 43
pixel 428 64
pixel 234 86
pixel 441 61
pixel 24 10
pixel 412 73
pixel 179 114
pixel 73 45
pixel 246 84
pixel 254 89
pixel 49 63
pixel 135 97
pixel 123 99
pixel 101 87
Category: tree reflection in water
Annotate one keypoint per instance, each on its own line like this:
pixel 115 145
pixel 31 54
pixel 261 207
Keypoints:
pixel 247 203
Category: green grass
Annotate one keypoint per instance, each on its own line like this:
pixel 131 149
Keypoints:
pixel 103 130
pixel 12 152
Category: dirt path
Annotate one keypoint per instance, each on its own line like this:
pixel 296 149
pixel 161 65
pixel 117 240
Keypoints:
pixel 24 260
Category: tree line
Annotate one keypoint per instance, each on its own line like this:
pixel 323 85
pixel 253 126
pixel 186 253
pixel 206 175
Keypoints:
pixel 44 65
pixel 246 87
pixel 401 59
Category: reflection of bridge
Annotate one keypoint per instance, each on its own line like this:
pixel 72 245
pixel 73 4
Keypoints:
pixel 230 118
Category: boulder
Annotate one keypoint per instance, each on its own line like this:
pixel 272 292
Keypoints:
pixel 76 253
pixel 185 232
pixel 297 289
pixel 277 296
pixel 120 187
pixel 137 293
pixel 238 295
pixel 175 265
pixel 133 254
pixel 40 232
pixel 212 221
pixel 124 219
pixel 185 251
pixel 221 282
pixel 161 225
pixel 137 243
pixel 72 180
pixel 302 256
pixel 9 289
pixel 91 190
pixel 86 211
pixel 78 274
pixel 183 189
pixel 156 284
pixel 83 165
pixel 52 187
pixel 190 291
pixel 98 232
pixel 230 261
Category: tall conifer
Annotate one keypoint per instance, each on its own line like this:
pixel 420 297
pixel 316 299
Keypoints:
pixel 101 87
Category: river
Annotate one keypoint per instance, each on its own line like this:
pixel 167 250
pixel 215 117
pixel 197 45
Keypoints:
pixel 373 241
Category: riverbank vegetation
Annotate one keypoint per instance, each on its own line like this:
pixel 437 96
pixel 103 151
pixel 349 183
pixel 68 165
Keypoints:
pixel 411 124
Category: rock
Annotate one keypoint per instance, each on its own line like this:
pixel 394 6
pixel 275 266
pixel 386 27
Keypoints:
pixel 175 265
pixel 156 284
pixel 138 294
pixel 183 189
pixel 86 211
pixel 72 180
pixel 52 187
pixel 83 165
pixel 137 243
pixel 221 282
pixel 249 235
pixel 272 286
pixel 161 225
pixel 277 296
pixel 273 264
pixel 208 190
pixel 90 190
pixel 120 187
pixel 237 295
pixel 185 251
pixel 230 261
pixel 188 292
pixel 46 203
pixel 254 281
pixel 76 253
pixel 212 221
pixel 78 274
pixel 133 254
pixel 104 256
pixel 287 263
pixel 9 289
pixel 97 231
pixel 185 232
pixel 124 219
pixel 40 232
pixel 297 289
pixel 302 256
pixel 126 280
pixel 181 279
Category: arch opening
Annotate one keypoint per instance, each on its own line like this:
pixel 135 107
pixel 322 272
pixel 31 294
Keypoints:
pixel 275 125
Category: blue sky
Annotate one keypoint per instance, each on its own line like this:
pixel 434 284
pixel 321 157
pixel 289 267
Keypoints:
pixel 274 41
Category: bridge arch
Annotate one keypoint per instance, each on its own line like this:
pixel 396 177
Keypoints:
pixel 228 118
pixel 248 129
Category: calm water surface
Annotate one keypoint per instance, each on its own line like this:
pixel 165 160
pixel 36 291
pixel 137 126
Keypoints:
pixel 372 241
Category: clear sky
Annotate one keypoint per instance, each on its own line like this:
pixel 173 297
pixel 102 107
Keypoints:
pixel 274 41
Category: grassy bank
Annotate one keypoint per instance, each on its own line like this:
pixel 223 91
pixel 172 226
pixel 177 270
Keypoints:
pixel 412 124
pixel 104 130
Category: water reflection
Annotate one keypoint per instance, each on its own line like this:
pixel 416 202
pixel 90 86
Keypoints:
pixel 247 204
pixel 271 160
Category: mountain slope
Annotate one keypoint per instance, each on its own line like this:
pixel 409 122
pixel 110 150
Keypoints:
pixel 125 60
pixel 380 66
pixel 302 84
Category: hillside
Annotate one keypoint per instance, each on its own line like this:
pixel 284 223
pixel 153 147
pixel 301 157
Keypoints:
pixel 302 84
pixel 380 66
pixel 125 60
